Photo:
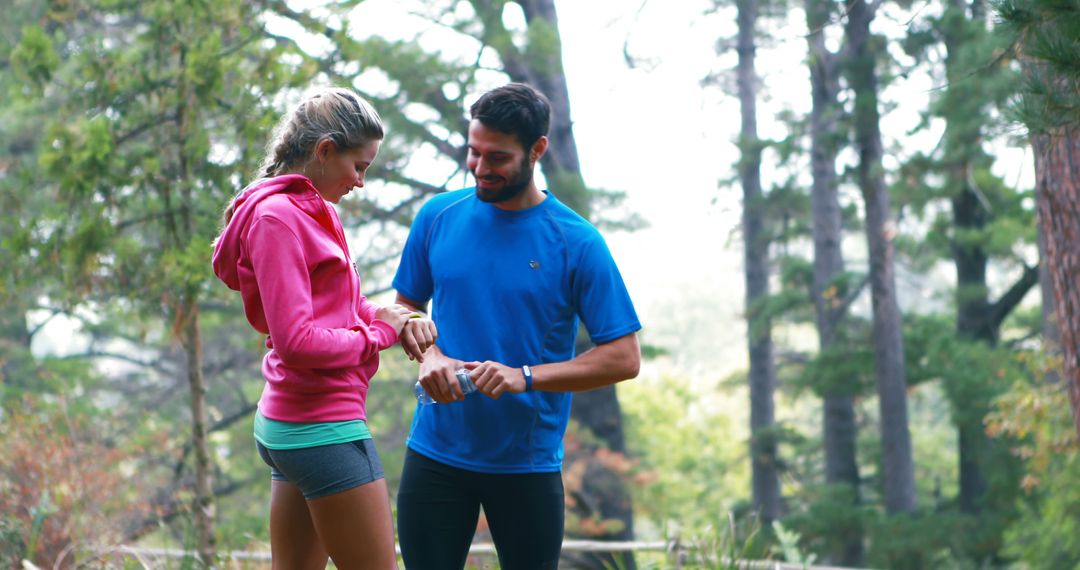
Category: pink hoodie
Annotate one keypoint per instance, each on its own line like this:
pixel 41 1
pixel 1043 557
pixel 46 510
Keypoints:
pixel 285 251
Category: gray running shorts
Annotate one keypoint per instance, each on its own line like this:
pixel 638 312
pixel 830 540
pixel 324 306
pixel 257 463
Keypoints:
pixel 325 469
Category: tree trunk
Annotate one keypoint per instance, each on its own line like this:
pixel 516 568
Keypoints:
pixel 1051 334
pixel 1051 331
pixel 973 322
pixel 1058 199
pixel 763 446
pixel 969 259
pixel 977 319
pixel 898 469
pixel 16 362
pixel 180 227
pixel 203 507
pixel 560 164
pixel 838 421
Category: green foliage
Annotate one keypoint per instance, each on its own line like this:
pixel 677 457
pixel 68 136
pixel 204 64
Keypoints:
pixel 914 541
pixel 972 373
pixel 35 59
pixel 689 452
pixel 544 47
pixel 830 516
pixel 789 546
pixel 145 129
pixel 796 272
pixel 1045 33
pixel 786 210
pixel 127 155
pixel 725 541
pixel 1037 416
pixel 846 367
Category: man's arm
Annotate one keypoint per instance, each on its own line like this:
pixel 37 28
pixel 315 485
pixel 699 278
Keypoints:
pixel 602 365
pixel 414 305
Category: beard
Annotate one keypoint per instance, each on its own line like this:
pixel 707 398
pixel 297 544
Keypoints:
pixel 512 187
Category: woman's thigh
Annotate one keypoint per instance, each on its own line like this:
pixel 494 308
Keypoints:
pixel 347 504
pixel 293 540
pixel 356 527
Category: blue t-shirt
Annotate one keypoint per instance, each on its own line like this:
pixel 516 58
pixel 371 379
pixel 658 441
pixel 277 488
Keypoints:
pixel 508 287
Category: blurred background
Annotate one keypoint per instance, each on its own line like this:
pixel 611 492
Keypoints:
pixel 827 214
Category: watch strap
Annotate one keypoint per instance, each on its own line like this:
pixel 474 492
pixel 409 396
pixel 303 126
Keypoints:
pixel 527 372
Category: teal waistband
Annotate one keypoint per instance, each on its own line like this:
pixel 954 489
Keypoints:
pixel 275 434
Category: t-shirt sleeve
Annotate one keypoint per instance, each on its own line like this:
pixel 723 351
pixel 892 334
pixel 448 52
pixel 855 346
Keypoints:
pixel 603 301
pixel 413 279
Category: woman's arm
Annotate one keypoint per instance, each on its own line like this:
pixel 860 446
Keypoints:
pixel 280 267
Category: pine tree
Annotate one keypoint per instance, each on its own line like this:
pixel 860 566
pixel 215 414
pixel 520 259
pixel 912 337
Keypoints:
pixel 1045 33
pixel 762 375
pixel 157 115
pixel 827 131
pixel 898 468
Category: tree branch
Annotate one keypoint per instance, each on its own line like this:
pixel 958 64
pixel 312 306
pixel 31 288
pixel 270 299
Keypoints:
pixel 117 356
pixel 837 314
pixel 167 507
pixel 1005 305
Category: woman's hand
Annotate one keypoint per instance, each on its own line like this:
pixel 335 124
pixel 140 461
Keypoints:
pixel 394 315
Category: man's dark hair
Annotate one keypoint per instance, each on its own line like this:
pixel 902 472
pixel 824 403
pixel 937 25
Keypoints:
pixel 515 109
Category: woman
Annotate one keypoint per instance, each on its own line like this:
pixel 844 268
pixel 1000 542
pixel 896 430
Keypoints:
pixel 284 250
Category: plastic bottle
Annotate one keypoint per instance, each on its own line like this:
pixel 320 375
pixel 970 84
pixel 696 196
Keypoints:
pixel 467 387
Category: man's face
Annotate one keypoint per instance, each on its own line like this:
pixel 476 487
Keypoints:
pixel 502 168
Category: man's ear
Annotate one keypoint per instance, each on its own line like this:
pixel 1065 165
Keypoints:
pixel 538 149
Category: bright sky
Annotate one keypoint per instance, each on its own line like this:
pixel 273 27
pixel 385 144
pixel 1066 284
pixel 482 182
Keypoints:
pixel 656 134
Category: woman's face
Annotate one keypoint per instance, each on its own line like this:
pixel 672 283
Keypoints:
pixel 338 172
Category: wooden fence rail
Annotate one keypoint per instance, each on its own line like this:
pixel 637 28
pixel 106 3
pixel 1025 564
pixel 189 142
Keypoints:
pixel 147 556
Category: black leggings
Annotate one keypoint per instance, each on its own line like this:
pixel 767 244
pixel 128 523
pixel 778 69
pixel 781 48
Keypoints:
pixel 439 506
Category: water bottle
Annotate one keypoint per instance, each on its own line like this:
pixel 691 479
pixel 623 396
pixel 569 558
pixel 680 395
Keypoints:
pixel 467 387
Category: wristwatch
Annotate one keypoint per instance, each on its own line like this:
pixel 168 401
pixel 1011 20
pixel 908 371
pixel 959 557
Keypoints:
pixel 527 372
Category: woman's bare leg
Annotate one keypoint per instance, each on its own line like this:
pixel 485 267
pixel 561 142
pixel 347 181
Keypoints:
pixel 293 540
pixel 356 527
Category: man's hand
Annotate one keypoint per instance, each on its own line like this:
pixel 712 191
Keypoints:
pixel 438 378
pixel 495 379
pixel 417 336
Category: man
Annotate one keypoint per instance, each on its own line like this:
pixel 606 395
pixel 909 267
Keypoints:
pixel 510 270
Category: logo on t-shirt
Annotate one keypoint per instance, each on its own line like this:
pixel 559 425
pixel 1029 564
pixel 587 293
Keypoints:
pixel 534 264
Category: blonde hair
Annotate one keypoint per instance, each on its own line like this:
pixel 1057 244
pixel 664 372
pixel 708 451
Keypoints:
pixel 338 114
pixel 334 113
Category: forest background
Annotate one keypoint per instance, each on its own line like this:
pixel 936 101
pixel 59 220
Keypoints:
pixel 827 214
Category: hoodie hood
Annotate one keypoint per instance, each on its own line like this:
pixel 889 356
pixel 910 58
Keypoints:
pixel 227 248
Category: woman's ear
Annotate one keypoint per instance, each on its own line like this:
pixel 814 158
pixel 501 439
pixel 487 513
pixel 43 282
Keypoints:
pixel 324 148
